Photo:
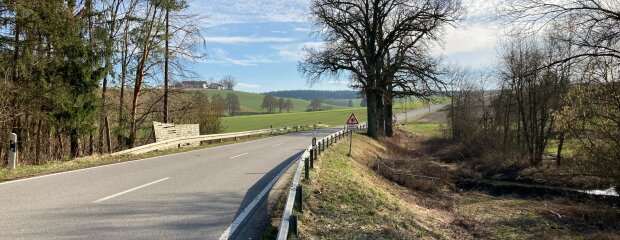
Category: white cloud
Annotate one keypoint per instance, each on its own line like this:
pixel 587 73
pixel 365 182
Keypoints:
pixel 248 85
pixel 469 38
pixel 302 29
pixel 479 8
pixel 295 52
pixel 218 55
pixel 251 11
pixel 246 39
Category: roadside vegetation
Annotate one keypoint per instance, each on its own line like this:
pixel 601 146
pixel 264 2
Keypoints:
pixel 405 188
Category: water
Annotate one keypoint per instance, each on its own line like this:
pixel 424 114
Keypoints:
pixel 607 192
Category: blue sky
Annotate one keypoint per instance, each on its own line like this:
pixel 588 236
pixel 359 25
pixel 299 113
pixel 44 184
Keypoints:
pixel 260 42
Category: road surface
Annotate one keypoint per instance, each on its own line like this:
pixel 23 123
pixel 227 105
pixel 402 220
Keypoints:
pixel 191 195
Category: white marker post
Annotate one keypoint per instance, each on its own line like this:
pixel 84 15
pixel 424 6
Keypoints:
pixel 12 151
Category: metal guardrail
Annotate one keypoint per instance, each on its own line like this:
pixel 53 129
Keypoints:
pixel 178 142
pixel 288 223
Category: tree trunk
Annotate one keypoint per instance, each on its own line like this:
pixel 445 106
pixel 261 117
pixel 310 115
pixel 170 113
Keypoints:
pixel 121 118
pixel 140 77
pixel 166 63
pixel 370 109
pixel 74 142
pixel 560 146
pixel 388 114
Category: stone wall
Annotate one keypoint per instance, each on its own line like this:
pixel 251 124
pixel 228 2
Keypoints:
pixel 166 131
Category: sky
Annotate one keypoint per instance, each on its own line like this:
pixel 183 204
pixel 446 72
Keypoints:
pixel 260 42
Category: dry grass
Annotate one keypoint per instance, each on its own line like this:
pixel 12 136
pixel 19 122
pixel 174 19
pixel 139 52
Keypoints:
pixel 347 199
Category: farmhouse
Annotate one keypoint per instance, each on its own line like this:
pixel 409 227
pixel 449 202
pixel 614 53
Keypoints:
pixel 218 86
pixel 194 84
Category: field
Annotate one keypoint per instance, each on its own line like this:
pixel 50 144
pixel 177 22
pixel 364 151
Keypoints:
pixel 253 122
pixel 344 102
pixel 251 102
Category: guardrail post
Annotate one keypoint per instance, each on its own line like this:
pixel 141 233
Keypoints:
pixel 292 225
pixel 323 145
pixel 299 199
pixel 12 151
pixel 312 158
pixel 307 169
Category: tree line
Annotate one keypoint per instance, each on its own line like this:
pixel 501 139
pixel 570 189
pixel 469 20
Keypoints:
pixel 71 68
pixel 316 94
pixel 558 83
pixel 271 103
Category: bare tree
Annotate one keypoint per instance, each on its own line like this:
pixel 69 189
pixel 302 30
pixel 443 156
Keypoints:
pixel 228 82
pixel 373 40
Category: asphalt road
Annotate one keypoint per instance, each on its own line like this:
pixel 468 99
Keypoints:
pixel 191 195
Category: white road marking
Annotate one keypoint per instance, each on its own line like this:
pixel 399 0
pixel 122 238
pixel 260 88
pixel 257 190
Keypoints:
pixel 251 207
pixel 128 162
pixel 239 155
pixel 279 144
pixel 130 190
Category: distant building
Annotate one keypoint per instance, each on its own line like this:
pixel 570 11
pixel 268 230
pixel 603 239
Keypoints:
pixel 218 86
pixel 194 84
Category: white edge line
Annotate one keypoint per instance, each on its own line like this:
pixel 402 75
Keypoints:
pixel 243 154
pixel 130 190
pixel 279 144
pixel 250 208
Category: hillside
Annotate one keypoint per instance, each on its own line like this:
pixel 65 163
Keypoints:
pixel 251 102
pixel 262 121
pixel 320 94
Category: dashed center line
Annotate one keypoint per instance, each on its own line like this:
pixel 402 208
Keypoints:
pixel 239 155
pixel 130 190
pixel 277 145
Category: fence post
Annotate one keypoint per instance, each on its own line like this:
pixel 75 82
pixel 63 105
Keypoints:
pixel 312 158
pixel 293 225
pixel 299 198
pixel 307 169
pixel 12 151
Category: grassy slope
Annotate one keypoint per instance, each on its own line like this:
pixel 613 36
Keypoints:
pixel 344 102
pixel 344 200
pixel 253 122
pixel 251 102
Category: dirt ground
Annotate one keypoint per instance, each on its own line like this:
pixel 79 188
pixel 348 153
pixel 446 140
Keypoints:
pixel 440 117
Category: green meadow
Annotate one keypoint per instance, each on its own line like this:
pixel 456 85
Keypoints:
pixel 253 122
pixel 251 102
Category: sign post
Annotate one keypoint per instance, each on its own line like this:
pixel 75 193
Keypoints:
pixel 352 123
pixel 12 151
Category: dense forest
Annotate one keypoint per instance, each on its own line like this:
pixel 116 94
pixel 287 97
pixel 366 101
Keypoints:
pixel 90 76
